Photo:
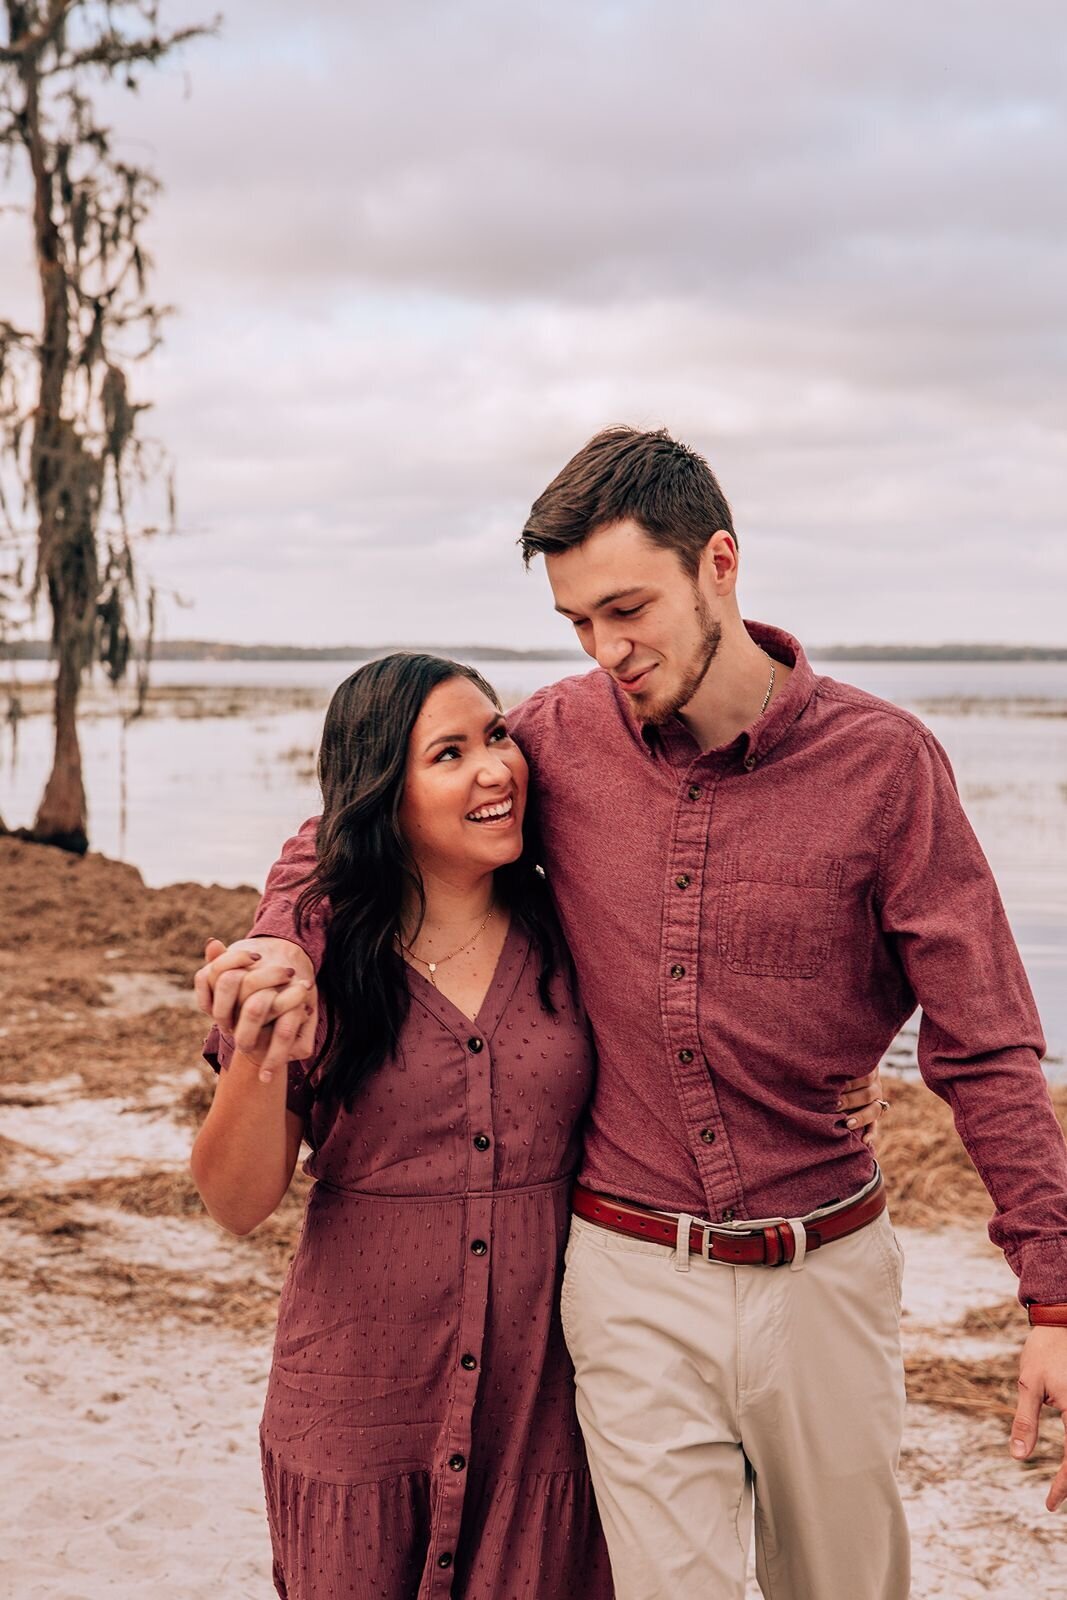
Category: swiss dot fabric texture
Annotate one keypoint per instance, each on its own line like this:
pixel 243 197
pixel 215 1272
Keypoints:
pixel 419 1437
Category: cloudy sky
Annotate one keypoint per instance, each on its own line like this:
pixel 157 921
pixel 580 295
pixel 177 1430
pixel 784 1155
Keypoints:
pixel 423 250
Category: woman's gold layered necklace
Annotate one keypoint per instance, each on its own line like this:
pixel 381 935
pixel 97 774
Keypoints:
pixel 432 966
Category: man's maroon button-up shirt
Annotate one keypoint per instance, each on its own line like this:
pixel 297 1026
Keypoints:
pixel 751 926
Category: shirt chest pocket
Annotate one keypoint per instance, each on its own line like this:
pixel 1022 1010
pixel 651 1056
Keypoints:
pixel 777 913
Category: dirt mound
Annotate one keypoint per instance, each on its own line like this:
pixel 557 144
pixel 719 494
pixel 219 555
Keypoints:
pixel 58 904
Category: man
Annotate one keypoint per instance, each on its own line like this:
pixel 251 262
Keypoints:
pixel 760 873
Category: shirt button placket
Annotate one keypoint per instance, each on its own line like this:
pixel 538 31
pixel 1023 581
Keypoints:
pixel 455 1444
pixel 680 992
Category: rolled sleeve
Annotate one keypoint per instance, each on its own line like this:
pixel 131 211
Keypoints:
pixel 276 916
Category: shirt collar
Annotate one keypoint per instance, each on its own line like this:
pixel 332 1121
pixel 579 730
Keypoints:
pixel 753 743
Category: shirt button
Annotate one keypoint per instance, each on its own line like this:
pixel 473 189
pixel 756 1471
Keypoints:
pixel 682 881
pixel 693 791
pixel 468 1362
pixel 750 762
pixel 457 1463
pixel 708 1136
pixel 728 1214
pixel 479 1248
pixel 474 1045
pixel 481 1141
pixel 445 1558
pixel 677 971
pixel 685 1057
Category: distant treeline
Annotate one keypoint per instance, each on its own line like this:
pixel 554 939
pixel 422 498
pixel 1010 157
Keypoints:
pixel 940 652
pixel 204 650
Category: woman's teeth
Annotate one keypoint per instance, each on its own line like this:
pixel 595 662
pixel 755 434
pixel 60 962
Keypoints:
pixel 503 808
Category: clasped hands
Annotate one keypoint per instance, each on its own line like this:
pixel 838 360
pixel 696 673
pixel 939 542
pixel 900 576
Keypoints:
pixel 262 995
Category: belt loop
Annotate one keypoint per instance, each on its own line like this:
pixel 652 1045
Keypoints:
pixel 681 1248
pixel 800 1244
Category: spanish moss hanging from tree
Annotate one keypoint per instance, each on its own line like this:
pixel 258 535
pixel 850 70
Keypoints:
pixel 73 461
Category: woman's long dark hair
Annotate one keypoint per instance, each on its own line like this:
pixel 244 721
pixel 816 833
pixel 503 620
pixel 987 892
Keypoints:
pixel 365 872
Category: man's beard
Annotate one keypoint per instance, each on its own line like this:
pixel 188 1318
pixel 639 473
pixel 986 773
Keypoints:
pixel 704 653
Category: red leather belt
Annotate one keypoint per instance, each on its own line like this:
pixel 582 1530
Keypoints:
pixel 771 1246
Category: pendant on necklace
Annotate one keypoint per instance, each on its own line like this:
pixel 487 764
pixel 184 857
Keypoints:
pixel 432 965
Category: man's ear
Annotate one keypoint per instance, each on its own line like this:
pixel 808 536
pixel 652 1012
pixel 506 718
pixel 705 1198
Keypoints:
pixel 719 562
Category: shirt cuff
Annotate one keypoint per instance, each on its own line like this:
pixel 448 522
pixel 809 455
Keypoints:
pixel 1041 1265
pixel 277 920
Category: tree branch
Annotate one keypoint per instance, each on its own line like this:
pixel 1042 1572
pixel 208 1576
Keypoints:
pixel 37 38
pixel 113 51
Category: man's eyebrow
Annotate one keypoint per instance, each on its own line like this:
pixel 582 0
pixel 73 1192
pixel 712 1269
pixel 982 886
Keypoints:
pixel 461 738
pixel 607 599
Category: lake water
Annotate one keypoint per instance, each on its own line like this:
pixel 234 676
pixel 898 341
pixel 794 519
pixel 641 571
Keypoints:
pixel 209 797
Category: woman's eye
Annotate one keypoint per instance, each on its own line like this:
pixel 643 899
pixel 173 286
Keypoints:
pixel 449 750
pixel 498 734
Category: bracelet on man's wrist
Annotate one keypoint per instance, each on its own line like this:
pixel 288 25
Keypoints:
pixel 1047 1316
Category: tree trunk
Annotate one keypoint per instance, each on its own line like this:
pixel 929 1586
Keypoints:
pixel 61 819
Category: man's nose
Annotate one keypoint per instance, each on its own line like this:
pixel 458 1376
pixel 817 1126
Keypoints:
pixel 610 650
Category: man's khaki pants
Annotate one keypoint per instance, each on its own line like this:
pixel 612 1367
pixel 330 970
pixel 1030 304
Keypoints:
pixel 702 1387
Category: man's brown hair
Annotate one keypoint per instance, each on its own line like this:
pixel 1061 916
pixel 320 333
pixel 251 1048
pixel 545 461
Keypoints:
pixel 625 475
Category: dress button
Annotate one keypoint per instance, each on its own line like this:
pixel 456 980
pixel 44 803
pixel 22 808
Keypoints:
pixel 685 1057
pixel 445 1558
pixel 457 1463
pixel 479 1248
pixel 728 1214
pixel 693 791
pixel 682 881
pixel 481 1141
pixel 474 1045
pixel 468 1362
pixel 750 762
pixel 708 1136
pixel 677 971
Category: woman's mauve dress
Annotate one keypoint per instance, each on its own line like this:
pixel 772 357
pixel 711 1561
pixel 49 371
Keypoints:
pixel 419 1435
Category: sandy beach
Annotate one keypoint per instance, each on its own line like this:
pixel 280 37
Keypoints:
pixel 135 1335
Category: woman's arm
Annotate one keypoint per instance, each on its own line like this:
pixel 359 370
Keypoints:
pixel 245 1154
pixel 243 1157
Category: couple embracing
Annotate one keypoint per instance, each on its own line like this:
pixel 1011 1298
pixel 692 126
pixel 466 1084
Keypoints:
pixel 579 1011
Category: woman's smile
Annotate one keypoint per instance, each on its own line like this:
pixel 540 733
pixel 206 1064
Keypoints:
pixel 495 813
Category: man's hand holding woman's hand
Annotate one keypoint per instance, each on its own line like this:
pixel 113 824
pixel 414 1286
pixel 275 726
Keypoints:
pixel 262 995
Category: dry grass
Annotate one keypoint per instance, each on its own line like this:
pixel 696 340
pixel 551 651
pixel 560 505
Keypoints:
pixel 988 1322
pixel 988 1386
pixel 194 1105
pixel 63 1249
pixel 981 1389
pixel 929 1176
pixel 146 1291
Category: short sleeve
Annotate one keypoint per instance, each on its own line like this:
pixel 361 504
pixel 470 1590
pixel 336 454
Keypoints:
pixel 299 1094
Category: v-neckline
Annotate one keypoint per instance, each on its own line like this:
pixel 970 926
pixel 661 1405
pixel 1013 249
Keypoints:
pixel 486 1016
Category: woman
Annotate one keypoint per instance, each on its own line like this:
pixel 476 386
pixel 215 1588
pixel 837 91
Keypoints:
pixel 419 1434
